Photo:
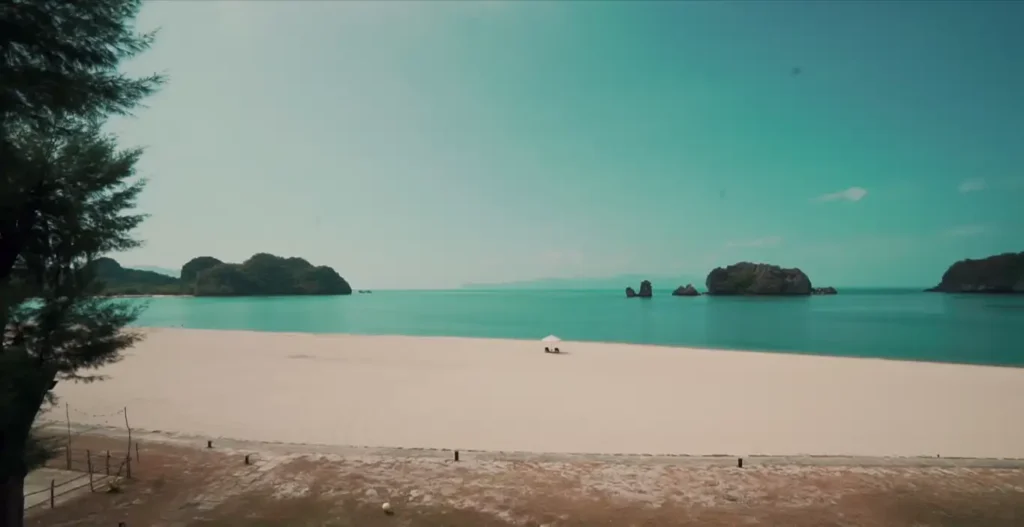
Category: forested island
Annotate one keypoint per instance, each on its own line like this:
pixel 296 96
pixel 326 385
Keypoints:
pixel 261 275
pixel 997 274
pixel 746 278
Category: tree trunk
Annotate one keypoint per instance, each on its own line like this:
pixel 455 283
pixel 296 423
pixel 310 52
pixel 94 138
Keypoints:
pixel 12 500
pixel 28 390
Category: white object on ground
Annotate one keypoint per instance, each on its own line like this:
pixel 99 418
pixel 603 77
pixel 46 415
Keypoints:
pixel 386 507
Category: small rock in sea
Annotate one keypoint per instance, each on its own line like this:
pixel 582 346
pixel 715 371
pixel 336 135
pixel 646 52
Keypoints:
pixel 687 290
pixel 386 507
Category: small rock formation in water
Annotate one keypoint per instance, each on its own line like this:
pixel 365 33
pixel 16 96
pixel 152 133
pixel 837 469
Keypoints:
pixel 687 290
pixel 645 291
pixel 746 278
pixel 1001 273
pixel 824 291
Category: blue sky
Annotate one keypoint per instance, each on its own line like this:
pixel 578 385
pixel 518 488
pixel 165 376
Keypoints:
pixel 431 144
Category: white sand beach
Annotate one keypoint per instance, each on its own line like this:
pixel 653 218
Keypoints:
pixel 508 395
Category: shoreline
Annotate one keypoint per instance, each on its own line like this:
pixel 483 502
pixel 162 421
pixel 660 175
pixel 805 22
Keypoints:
pixel 436 393
pixel 586 342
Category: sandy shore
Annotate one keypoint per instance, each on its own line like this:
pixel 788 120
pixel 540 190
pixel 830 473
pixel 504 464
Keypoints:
pixel 508 395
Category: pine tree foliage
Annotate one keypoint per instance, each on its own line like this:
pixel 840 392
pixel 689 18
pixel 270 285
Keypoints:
pixel 67 196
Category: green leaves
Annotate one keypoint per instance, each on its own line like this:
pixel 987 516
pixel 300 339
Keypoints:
pixel 60 61
pixel 68 196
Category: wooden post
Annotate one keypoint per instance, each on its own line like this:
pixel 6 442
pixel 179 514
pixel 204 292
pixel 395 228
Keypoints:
pixel 456 455
pixel 739 462
pixel 128 461
pixel 53 486
pixel 88 464
pixel 67 414
pixel 129 431
pixel 108 462
pixel 136 451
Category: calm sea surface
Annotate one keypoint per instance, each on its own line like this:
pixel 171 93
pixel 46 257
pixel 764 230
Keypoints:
pixel 862 323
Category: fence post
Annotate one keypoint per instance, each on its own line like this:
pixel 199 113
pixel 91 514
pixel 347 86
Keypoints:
pixel 136 451
pixel 52 487
pixel 67 414
pixel 108 462
pixel 88 465
pixel 128 460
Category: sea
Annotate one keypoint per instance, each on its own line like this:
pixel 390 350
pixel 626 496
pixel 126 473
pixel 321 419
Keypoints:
pixel 879 323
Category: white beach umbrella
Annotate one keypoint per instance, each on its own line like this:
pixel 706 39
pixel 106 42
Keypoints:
pixel 551 339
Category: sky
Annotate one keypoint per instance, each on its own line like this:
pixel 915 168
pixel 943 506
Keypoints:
pixel 432 144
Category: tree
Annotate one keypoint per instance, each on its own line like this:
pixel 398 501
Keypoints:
pixel 55 325
pixel 58 71
pixel 67 194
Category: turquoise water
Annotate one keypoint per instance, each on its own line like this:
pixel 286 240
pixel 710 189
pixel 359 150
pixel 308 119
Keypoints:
pixel 866 323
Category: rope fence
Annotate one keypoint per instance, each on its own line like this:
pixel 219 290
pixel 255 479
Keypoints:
pixel 99 469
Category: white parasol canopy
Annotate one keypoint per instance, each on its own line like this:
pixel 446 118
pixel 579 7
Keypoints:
pixel 550 339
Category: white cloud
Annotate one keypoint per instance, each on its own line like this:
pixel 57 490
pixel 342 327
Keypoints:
pixel 968 230
pixel 850 194
pixel 972 185
pixel 768 241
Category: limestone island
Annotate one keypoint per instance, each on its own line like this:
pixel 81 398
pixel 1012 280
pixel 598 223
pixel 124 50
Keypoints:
pixel 746 278
pixel 686 290
pixel 645 291
pixel 261 275
pixel 998 274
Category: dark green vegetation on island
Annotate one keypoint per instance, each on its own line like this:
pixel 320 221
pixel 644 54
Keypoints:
pixel 998 274
pixel 746 278
pixel 261 275
pixel 117 280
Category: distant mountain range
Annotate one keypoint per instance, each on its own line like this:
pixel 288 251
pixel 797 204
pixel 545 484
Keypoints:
pixel 658 282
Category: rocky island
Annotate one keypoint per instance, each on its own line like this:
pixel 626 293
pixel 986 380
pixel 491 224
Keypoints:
pixel 261 275
pixel 645 290
pixel 119 280
pixel 998 274
pixel 687 290
pixel 746 278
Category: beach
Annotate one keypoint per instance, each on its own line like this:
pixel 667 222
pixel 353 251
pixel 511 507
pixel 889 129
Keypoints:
pixel 507 395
